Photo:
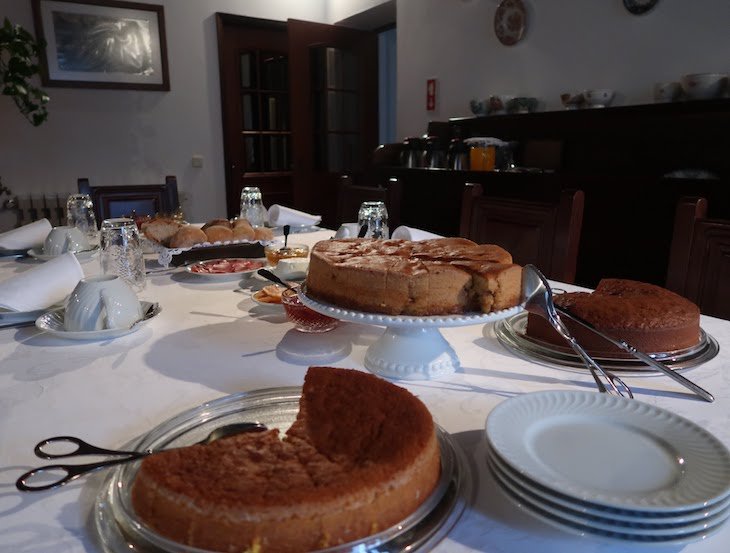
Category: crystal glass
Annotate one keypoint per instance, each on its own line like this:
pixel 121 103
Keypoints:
pixel 252 206
pixel 305 319
pixel 80 214
pixel 375 216
pixel 121 251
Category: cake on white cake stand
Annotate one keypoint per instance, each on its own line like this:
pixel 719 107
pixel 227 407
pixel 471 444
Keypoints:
pixel 411 347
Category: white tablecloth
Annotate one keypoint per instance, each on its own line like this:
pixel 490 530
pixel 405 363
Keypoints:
pixel 210 341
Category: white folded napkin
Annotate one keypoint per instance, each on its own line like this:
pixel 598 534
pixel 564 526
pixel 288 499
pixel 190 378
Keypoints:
pixel 348 230
pixel 281 215
pixel 410 233
pixel 43 285
pixel 28 236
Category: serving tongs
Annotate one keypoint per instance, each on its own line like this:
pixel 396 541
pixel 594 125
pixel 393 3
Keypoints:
pixel 538 299
pixel 646 358
pixel 532 273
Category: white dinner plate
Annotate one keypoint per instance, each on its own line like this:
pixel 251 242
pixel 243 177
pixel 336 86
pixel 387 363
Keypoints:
pixel 52 323
pixel 611 451
pixel 81 256
pixel 584 530
pixel 233 275
pixel 589 509
pixel 637 531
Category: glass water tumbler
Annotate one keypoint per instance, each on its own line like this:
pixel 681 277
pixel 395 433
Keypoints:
pixel 375 216
pixel 121 251
pixel 252 206
pixel 80 214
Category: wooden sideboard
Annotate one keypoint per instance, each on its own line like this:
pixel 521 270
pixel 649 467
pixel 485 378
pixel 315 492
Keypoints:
pixel 625 159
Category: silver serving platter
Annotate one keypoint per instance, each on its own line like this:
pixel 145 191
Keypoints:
pixel 119 530
pixel 511 333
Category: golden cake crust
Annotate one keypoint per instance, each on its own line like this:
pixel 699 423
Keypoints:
pixel 400 277
pixel 649 317
pixel 345 469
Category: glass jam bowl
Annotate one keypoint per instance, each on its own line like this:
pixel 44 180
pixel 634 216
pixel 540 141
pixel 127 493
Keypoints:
pixel 276 251
pixel 305 319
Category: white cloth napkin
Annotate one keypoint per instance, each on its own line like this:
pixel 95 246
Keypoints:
pixel 28 236
pixel 347 230
pixel 281 215
pixel 43 285
pixel 410 233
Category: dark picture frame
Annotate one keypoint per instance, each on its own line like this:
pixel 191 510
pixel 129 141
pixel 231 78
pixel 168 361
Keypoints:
pixel 102 44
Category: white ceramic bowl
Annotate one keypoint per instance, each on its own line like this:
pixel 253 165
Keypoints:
pixel 703 86
pixel 65 239
pixel 99 303
pixel 598 97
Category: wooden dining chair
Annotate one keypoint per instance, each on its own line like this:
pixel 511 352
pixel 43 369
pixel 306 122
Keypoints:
pixel 123 200
pixel 544 234
pixel 699 258
pixel 351 194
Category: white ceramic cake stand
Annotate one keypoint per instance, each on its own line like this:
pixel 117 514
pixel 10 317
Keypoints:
pixel 411 347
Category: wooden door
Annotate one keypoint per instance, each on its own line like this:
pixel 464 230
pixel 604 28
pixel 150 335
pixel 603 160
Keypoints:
pixel 254 73
pixel 334 99
pixel 300 108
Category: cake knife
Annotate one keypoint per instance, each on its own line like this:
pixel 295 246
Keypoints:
pixel 648 359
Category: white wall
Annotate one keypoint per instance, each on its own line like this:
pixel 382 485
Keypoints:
pixel 137 137
pixel 569 45
pixel 116 136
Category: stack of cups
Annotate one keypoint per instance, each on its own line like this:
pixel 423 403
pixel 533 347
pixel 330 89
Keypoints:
pixel 121 251
pixel 374 215
pixel 80 214
pixel 252 206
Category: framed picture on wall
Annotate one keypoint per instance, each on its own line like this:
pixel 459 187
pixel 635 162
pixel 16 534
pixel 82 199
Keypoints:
pixel 102 44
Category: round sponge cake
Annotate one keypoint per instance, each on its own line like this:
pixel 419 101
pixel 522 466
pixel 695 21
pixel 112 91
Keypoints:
pixel 649 317
pixel 361 456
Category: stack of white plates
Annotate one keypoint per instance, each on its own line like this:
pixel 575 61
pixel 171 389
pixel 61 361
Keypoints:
pixel 607 466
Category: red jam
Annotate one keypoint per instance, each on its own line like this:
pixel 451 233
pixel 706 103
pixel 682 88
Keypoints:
pixel 305 319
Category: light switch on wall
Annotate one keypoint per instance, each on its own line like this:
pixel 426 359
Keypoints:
pixel 197 161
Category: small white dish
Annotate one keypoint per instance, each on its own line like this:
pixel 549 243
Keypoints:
pixel 52 323
pixel 230 268
pixel 265 304
pixel 283 276
pixel 81 256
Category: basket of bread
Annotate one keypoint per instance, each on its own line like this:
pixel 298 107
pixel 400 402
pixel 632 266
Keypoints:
pixel 176 242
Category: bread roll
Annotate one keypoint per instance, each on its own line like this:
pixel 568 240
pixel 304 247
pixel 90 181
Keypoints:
pixel 161 230
pixel 217 223
pixel 218 234
pixel 263 233
pixel 244 232
pixel 188 236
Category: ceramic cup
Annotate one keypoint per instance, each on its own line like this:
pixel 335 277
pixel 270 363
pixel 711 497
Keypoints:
pixel 65 239
pixel 101 302
pixel 667 92
pixel 347 230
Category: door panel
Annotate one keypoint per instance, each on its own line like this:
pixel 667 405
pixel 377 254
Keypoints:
pixel 254 70
pixel 299 106
pixel 334 96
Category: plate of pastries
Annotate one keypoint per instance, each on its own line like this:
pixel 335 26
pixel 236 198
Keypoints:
pixel 169 233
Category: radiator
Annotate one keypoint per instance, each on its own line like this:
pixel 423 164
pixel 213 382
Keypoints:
pixel 27 209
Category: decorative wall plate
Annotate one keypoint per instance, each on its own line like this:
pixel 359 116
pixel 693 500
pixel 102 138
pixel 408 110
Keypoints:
pixel 638 7
pixel 510 21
